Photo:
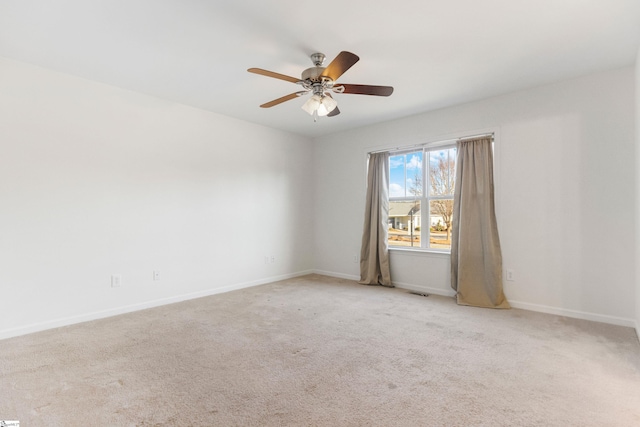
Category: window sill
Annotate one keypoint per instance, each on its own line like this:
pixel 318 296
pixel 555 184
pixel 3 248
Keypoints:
pixel 418 251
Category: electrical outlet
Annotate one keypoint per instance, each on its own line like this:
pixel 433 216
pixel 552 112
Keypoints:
pixel 355 259
pixel 273 259
pixel 116 280
pixel 156 275
pixel 510 275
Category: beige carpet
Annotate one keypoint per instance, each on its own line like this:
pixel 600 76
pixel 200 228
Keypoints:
pixel 318 351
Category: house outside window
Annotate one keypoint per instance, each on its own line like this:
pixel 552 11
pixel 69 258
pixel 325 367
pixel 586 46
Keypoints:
pixel 421 185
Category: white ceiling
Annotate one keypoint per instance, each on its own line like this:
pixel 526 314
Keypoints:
pixel 434 53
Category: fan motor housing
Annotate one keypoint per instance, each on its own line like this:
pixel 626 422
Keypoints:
pixel 313 74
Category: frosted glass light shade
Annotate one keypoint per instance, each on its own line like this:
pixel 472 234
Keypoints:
pixel 327 105
pixel 321 105
pixel 312 104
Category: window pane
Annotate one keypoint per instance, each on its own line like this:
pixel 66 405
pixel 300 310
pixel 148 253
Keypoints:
pixel 414 174
pixel 442 172
pixel 404 223
pixel 440 216
pixel 397 176
pixel 405 175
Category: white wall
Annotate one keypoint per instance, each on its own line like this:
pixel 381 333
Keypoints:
pixel 96 181
pixel 565 193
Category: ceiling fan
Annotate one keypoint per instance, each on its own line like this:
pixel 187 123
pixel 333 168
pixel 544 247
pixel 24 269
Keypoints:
pixel 320 82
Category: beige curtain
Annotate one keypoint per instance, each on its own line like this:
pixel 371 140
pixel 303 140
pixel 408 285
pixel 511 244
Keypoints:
pixel 476 259
pixel 374 254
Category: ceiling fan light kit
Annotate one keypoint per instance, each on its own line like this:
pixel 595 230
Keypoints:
pixel 320 105
pixel 320 82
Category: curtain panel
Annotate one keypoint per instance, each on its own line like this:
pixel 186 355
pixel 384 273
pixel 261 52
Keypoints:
pixel 374 253
pixel 476 257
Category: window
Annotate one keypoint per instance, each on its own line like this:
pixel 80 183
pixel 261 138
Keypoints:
pixel 421 184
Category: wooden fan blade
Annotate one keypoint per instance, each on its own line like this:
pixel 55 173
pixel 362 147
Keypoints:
pixel 280 100
pixel 334 112
pixel 367 89
pixel 339 65
pixel 272 74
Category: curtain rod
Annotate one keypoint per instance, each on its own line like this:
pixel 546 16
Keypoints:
pixel 475 136
pixel 406 147
pixel 409 147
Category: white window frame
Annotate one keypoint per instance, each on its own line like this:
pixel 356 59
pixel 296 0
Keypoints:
pixel 426 198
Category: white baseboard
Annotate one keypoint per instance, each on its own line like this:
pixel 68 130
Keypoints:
pixel 337 275
pixel 425 289
pixel 576 314
pixel 66 321
pixel 602 318
pixel 401 285
pixel 37 327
